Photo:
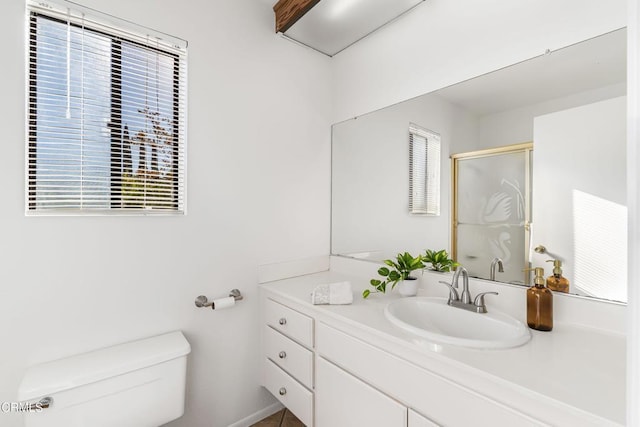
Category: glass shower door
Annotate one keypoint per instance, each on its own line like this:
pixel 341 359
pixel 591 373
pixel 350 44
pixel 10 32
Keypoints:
pixel 492 211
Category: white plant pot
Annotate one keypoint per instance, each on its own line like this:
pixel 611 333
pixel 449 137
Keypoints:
pixel 408 287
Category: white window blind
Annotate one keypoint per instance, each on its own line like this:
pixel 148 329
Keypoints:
pixel 106 114
pixel 424 171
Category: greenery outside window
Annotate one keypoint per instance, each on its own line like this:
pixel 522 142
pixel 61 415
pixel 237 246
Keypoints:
pixel 106 115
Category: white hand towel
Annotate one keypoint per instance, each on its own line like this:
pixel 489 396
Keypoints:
pixel 332 293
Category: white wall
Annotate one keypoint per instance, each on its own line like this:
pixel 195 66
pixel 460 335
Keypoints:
pixel 443 42
pixel 579 210
pixel 258 192
pixel 516 125
pixel 633 204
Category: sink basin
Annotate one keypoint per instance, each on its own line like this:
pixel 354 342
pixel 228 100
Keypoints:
pixel 438 322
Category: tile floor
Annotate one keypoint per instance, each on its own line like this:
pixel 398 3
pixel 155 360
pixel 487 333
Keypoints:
pixel 282 418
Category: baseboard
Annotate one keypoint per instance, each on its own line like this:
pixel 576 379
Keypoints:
pixel 257 416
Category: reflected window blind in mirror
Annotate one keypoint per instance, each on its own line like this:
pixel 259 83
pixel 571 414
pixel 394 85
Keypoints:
pixel 106 114
pixel 424 171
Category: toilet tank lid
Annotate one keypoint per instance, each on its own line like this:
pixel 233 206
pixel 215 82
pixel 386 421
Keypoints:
pixel 82 369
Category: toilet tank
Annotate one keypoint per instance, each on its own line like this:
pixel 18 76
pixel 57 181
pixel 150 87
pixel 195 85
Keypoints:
pixel 136 384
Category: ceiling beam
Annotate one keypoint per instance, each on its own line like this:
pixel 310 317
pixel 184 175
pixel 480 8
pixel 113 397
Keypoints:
pixel 289 11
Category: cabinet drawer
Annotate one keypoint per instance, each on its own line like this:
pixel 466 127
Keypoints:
pixel 291 323
pixel 289 392
pixel 290 356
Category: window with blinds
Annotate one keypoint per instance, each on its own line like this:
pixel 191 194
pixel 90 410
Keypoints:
pixel 424 171
pixel 106 114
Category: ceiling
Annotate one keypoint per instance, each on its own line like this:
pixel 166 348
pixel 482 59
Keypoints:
pixel 333 25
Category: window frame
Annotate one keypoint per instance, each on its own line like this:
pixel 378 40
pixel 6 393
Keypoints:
pixel 424 171
pixel 177 122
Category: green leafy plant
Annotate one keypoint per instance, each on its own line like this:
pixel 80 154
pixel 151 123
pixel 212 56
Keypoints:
pixel 399 270
pixel 439 260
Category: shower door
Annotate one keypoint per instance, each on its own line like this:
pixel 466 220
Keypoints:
pixel 492 211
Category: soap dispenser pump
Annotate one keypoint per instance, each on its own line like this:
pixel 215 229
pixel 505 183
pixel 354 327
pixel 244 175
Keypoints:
pixel 539 303
pixel 556 282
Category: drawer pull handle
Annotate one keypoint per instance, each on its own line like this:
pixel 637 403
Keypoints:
pixel 282 355
pixel 282 321
pixel 282 391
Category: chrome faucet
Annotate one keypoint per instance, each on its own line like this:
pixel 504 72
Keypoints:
pixel 498 262
pixel 464 300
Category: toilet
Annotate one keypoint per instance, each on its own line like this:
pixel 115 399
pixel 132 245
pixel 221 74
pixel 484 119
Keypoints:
pixel 136 384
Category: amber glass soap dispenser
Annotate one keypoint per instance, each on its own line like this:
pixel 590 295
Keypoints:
pixel 539 304
pixel 556 282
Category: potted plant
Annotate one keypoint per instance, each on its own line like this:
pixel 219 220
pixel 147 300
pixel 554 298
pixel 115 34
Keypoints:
pixel 439 260
pixel 398 271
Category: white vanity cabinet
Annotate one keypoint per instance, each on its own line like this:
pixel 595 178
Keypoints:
pixel 336 397
pixel 356 384
pixel 343 366
pixel 288 362
pixel 417 420
pixel 422 390
pixel 344 400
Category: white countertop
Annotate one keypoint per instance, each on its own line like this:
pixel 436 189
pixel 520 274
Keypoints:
pixel 572 365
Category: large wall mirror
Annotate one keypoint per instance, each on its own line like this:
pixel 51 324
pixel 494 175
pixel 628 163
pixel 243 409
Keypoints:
pixel 569 103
